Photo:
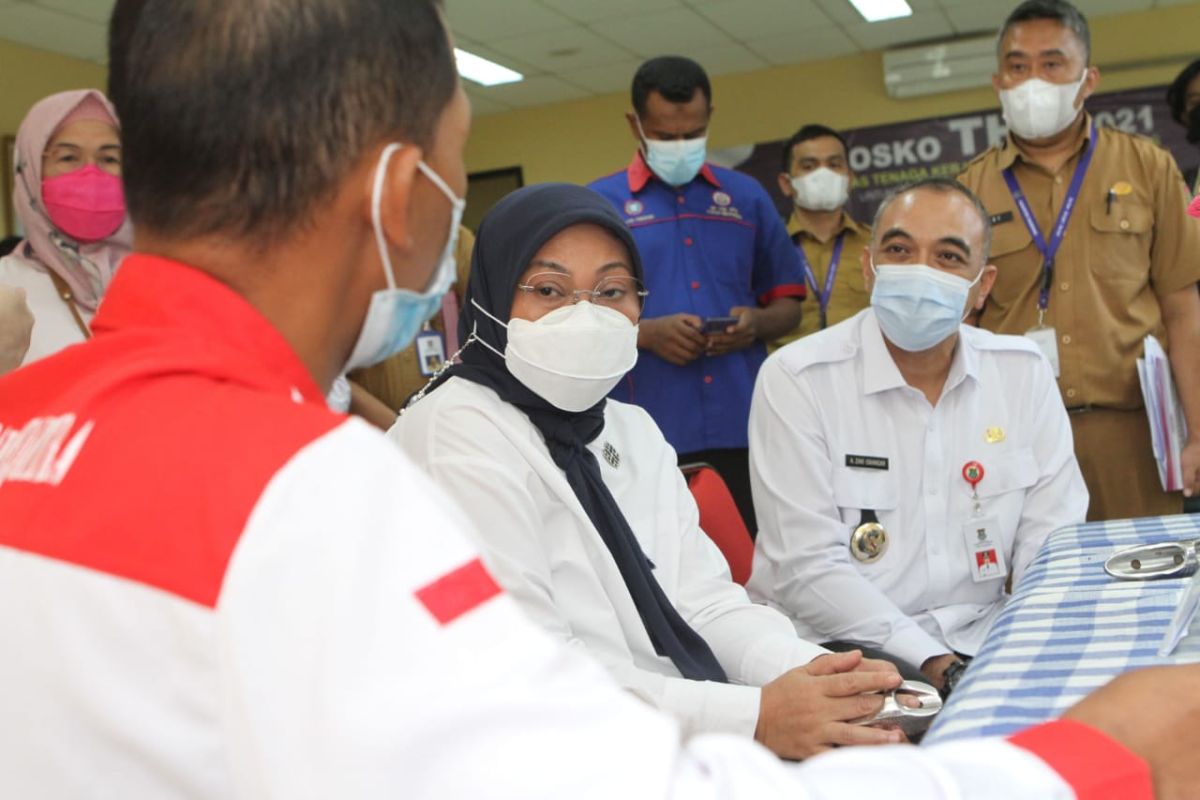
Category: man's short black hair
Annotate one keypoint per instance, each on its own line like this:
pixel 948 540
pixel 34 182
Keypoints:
pixel 239 116
pixel 674 77
pixel 807 133
pixel 1057 10
pixel 941 185
pixel 1177 92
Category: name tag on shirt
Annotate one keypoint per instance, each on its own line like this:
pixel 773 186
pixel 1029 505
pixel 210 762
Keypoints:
pixel 431 352
pixel 866 462
pixel 985 550
pixel 1047 341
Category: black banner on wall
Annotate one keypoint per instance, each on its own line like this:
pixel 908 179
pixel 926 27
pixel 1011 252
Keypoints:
pixel 884 157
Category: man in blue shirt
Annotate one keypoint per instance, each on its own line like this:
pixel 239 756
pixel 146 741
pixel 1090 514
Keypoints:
pixel 723 276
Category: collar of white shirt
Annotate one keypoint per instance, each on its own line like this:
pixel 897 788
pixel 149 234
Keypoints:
pixel 881 374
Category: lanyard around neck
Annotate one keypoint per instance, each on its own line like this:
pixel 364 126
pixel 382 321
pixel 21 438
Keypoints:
pixel 68 297
pixel 823 295
pixel 1050 249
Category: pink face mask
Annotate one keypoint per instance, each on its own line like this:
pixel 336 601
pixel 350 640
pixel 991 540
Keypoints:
pixel 87 205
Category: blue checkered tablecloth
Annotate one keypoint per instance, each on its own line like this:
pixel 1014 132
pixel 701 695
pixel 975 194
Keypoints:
pixel 1068 629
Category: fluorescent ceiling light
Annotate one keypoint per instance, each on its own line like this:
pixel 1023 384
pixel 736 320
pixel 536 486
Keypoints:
pixel 876 10
pixel 482 71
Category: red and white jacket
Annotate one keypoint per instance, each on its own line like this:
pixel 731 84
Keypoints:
pixel 213 587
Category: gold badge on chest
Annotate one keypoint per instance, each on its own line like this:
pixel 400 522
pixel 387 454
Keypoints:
pixel 869 541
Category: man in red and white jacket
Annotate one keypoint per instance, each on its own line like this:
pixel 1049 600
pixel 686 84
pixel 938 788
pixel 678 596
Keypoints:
pixel 213 587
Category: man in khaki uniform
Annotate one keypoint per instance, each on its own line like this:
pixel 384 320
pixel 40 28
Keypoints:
pixel 1126 264
pixel 816 176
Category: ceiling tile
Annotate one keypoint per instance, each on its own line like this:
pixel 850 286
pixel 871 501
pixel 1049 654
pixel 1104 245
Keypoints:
pixel 606 78
pixel 976 17
pixel 762 18
pixel 482 106
pixel 1096 8
pixel 810 46
pixel 726 59
pixel 840 11
pixel 533 92
pixel 487 20
pixel 50 30
pixel 656 33
pixel 593 10
pixel 91 10
pixel 921 26
pixel 561 50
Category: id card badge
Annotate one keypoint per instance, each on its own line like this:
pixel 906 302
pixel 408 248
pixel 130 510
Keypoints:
pixel 985 551
pixel 1047 341
pixel 431 352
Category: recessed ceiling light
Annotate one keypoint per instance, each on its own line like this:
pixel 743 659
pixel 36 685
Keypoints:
pixel 484 72
pixel 877 10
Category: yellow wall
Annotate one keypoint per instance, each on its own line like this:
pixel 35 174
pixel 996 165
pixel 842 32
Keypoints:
pixel 27 75
pixel 582 140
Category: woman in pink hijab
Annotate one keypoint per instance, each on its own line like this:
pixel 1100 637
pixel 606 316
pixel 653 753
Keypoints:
pixel 67 194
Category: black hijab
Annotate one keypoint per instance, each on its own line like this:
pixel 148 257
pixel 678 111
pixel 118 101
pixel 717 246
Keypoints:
pixel 508 238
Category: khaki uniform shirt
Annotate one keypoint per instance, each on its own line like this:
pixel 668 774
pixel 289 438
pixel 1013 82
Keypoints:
pixel 850 293
pixel 395 380
pixel 1117 258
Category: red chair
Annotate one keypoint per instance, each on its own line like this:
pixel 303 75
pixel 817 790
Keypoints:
pixel 720 519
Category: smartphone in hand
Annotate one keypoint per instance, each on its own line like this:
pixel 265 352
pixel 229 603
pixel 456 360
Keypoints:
pixel 713 325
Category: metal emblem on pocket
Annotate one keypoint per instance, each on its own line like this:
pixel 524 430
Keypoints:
pixel 869 540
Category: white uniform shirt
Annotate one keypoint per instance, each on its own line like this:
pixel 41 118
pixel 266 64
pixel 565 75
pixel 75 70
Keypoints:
pixel 539 542
pixel 838 393
pixel 53 326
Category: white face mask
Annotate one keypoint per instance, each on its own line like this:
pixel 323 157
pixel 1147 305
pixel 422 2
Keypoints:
pixel 676 162
pixel 821 190
pixel 571 357
pixel 1036 108
pixel 918 306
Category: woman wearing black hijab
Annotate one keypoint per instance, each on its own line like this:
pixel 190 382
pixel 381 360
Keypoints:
pixel 581 511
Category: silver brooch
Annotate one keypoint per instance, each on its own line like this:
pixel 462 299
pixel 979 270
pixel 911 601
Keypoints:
pixel 611 455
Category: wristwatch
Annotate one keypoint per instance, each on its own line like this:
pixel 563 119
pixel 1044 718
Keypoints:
pixel 951 676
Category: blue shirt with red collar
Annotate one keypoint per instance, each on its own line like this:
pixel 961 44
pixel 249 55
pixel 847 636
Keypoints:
pixel 707 246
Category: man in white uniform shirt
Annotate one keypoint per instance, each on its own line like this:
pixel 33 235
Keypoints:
pixel 904 464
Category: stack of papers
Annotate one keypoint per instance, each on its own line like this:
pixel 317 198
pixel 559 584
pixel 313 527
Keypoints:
pixel 1168 429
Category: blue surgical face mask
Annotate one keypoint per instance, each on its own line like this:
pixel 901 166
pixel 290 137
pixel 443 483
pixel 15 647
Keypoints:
pixel 676 162
pixel 396 315
pixel 918 306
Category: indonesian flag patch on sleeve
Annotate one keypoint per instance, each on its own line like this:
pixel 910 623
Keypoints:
pixel 459 591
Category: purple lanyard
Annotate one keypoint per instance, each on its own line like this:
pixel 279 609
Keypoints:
pixel 811 277
pixel 1048 251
